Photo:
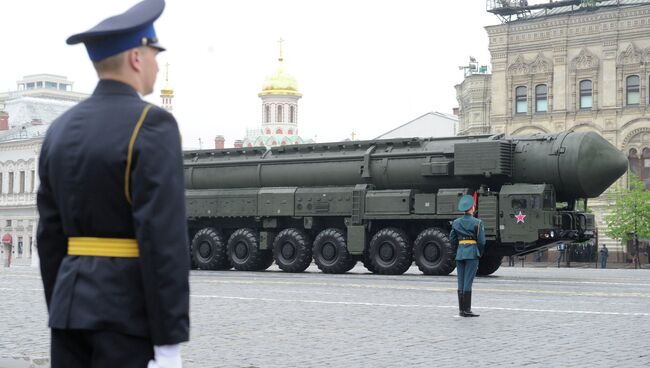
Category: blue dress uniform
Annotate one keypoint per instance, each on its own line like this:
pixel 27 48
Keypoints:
pixel 112 235
pixel 468 235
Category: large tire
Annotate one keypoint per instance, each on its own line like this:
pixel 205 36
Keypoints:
pixel 390 252
pixel 488 265
pixel 209 250
pixel 245 253
pixel 433 253
pixel 292 250
pixel 331 252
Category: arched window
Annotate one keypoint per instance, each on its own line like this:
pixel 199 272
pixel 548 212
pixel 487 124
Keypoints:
pixel 541 99
pixel 273 143
pixel 586 99
pixel 284 143
pixel 267 113
pixel 645 167
pixel 292 114
pixel 521 100
pixel 267 131
pixel 278 131
pixel 278 117
pixel 632 90
pixel 290 131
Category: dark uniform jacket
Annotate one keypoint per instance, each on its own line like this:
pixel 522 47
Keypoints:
pixel 467 228
pixel 82 194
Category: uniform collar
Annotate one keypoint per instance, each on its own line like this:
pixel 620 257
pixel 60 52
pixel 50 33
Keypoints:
pixel 113 87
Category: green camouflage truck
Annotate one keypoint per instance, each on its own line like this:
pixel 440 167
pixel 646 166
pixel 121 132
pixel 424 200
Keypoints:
pixel 389 203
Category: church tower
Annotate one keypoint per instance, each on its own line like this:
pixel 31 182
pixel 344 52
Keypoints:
pixel 279 110
pixel 167 93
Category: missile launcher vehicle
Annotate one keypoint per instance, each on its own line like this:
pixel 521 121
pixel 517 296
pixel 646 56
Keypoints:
pixel 389 203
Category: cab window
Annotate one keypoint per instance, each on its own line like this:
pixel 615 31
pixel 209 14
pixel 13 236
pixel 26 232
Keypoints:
pixel 549 200
pixel 519 203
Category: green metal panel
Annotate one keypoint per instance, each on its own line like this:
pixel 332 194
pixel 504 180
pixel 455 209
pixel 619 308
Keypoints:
pixel 448 200
pixel 221 202
pixel 483 158
pixel 356 239
pixel 324 201
pixel 488 211
pixel 389 201
pixel 266 239
pixel 521 206
pixel 276 201
pixel 425 203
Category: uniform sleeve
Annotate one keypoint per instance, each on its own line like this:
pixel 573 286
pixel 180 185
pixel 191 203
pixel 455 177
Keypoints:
pixel 453 237
pixel 158 192
pixel 50 239
pixel 481 237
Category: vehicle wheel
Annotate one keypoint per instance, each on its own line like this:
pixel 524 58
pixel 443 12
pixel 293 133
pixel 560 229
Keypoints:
pixel 245 253
pixel 209 250
pixel 488 265
pixel 433 253
pixel 390 252
pixel 292 250
pixel 331 252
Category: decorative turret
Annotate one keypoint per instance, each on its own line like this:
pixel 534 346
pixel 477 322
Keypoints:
pixel 167 93
pixel 280 97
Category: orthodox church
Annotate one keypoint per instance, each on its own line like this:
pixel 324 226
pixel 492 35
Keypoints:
pixel 279 126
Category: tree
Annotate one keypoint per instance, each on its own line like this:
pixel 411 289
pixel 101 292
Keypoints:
pixel 631 214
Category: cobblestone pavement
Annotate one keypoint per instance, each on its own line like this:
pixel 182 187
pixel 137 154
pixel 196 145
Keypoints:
pixel 530 317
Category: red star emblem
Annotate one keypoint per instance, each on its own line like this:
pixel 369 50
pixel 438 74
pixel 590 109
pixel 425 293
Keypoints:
pixel 520 217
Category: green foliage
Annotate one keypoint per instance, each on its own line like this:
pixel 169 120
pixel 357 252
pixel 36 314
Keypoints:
pixel 631 211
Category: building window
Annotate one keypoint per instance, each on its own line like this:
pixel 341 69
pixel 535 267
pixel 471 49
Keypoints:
pixel 1 177
pixel 10 189
pixel 292 114
pixel 521 100
pixel 33 181
pixel 586 99
pixel 278 131
pixel 267 113
pixel 541 98
pixel 267 131
pixel 8 223
pixel 278 118
pixel 22 182
pixel 632 90
pixel 290 131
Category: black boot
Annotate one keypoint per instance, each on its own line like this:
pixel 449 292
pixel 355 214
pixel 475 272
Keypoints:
pixel 467 310
pixel 461 306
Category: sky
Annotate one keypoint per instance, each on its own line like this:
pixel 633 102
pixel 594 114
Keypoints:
pixel 363 67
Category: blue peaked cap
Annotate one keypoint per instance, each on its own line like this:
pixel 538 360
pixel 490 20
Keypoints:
pixel 122 32
pixel 465 203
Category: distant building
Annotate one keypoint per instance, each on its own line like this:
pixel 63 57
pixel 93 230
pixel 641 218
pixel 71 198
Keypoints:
pixel 557 67
pixel 431 124
pixel 25 115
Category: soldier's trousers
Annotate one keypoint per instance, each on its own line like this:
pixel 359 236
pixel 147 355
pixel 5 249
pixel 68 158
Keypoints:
pixel 99 349
pixel 466 270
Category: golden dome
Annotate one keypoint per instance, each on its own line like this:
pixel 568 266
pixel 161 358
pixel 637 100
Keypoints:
pixel 280 83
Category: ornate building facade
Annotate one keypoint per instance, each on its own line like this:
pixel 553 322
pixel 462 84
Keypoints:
pixel 25 114
pixel 585 68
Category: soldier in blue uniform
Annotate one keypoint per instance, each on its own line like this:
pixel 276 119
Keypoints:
pixel 468 235
pixel 112 235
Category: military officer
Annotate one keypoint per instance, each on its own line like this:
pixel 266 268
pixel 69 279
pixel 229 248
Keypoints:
pixel 468 235
pixel 112 235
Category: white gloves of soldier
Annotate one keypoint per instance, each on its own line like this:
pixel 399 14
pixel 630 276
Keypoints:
pixel 166 356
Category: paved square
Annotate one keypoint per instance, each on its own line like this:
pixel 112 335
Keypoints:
pixel 532 317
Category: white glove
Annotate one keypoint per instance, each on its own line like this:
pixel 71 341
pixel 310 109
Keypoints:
pixel 166 356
